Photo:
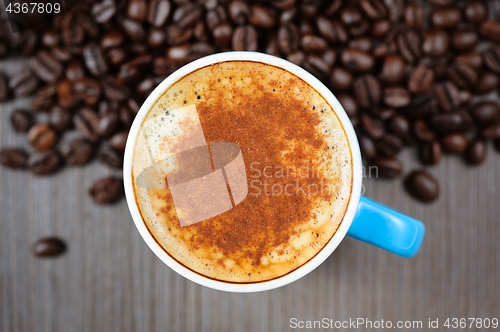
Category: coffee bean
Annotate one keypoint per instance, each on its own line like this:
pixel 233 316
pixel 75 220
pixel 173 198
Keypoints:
pixel 13 158
pixel 367 147
pixel 350 15
pixel 106 190
pixel 94 60
pixel 400 126
pixel 340 78
pixel 367 90
pixel 393 69
pixel 107 125
pixel 463 75
pixel 21 120
pixel 414 16
pixel 447 96
pixel 23 83
pixel 389 145
pixel 118 141
pixel 381 28
pixel 486 112
pixel 395 9
pixel 87 90
pixel 408 43
pixel 48 247
pixel 46 67
pixel 451 122
pixel 222 33
pixel 473 59
pixel 60 119
pixel 492 131
pixel 4 90
pixel 349 104
pixel 487 82
pixel 85 120
pixel 65 94
pixel 476 152
pixel 110 157
pixel 422 185
pixel 103 11
pixel 316 66
pixel 158 13
pixel 137 10
pixel 435 43
pixel 421 106
pixel 374 9
pixel 389 168
pixel 464 39
pixel 455 143
pixel 357 60
pixel 373 127
pixel 422 131
pixel 261 16
pixel 41 137
pixel 326 28
pixel 77 152
pixel 50 39
pixel 446 17
pixel 492 59
pixel 187 15
pixel 288 38
pixel 361 43
pixel 421 79
pixel 113 90
pixel 133 29
pixel 311 43
pixel 61 54
pixel 44 163
pixel 245 38
pixel 396 97
pixel 491 30
pixel 476 11
pixel 430 153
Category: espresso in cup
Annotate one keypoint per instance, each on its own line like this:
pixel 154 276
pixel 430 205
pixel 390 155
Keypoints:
pixel 242 172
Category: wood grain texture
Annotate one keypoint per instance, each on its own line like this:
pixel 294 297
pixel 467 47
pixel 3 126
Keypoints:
pixel 109 280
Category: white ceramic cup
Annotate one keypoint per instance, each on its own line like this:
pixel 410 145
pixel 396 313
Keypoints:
pixel 356 164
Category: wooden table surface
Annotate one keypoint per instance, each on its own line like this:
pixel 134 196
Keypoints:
pixel 109 280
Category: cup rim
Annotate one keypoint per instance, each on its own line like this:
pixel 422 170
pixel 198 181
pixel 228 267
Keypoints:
pixel 307 267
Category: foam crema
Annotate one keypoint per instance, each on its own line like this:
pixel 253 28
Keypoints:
pixel 256 185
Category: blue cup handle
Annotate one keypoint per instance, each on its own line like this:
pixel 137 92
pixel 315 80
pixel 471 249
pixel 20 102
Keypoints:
pixel 386 228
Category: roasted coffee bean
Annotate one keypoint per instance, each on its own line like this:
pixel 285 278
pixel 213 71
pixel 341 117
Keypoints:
pixel 261 16
pixel 389 145
pixel 491 30
pixel 103 11
pixel 177 36
pixel 110 157
pixel 492 58
pixel 476 11
pixel 455 143
pixel 48 247
pixel 75 70
pixel 374 9
pixel 245 38
pixel 85 120
pixel 41 137
pixel 395 9
pixel 238 12
pixel 106 190
pixel 381 28
pixel 350 15
pixel 373 127
pixel 94 60
pixel 107 125
pixel 422 185
pixel 487 82
pixel 215 17
pixel 464 39
pixel 61 54
pixel 60 119
pixel 87 90
pixel 408 43
pixel 118 141
pixel 451 122
pixel 133 29
pixel 436 43
pixel 446 17
pixel 137 10
pixel 44 163
pixel 316 66
pixel 492 131
pixel 414 16
pixel 421 79
pixel 199 32
pixel 463 75
pixel 146 86
pixel 473 59
pixel 13 158
pixel 400 126
pixel 422 131
pixel 21 120
pixel 50 38
pixel 288 38
pixel 125 116
pixel 388 168
pixel 360 29
pixel 326 28
pixel 367 90
pixel 311 43
pixel 65 94
pixel 222 33
pixel 187 15
pixel 476 152
pixel 421 106
pixel 116 56
pixel 447 96
pixel 393 69
pixel 357 60
pixel 46 67
pixel 44 98
pixel 430 153
pixel 23 83
pixel 486 112
pixel 297 58
pixel 77 152
pixel 159 11
pixel 349 104
pixel 367 147
pixel 113 90
pixel 340 78
pixel 396 97
pixel 112 39
pixel 361 43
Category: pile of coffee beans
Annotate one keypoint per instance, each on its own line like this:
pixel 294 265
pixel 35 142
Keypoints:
pixel 406 72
